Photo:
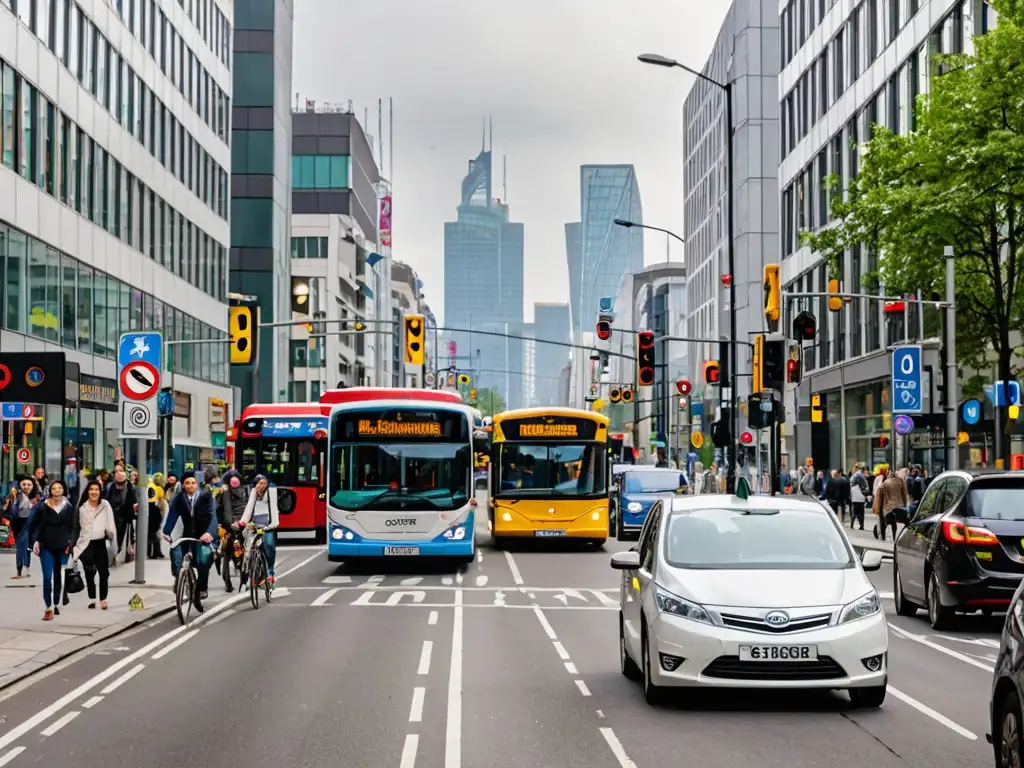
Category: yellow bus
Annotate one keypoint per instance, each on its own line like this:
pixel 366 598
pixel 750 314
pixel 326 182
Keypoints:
pixel 549 475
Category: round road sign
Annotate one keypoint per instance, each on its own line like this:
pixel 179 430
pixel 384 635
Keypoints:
pixel 5 377
pixel 684 387
pixel 746 438
pixel 28 411
pixel 24 456
pixel 697 438
pixel 904 424
pixel 139 380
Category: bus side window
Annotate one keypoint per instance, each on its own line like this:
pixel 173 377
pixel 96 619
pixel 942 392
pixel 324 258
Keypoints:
pixel 306 466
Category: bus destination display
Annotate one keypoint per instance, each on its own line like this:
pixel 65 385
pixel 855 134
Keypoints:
pixel 376 426
pixel 548 428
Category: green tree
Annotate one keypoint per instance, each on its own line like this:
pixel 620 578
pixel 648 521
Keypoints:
pixel 489 401
pixel 957 180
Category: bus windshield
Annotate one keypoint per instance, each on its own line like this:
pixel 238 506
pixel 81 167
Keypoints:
pixel 285 461
pixel 551 469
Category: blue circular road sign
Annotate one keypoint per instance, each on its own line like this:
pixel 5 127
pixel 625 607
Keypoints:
pixel 971 411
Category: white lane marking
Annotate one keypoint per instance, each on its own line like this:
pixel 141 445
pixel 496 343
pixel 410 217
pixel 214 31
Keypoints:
pixel 479 557
pixel 571 668
pixel 416 710
pixel 449 587
pixel 322 600
pixel 230 612
pixel 428 648
pixel 453 735
pixel 604 599
pixel 446 580
pixel 338 580
pixel 583 687
pixel 47 712
pixel 887 595
pixel 548 629
pixel 412 743
pixel 183 639
pixel 600 714
pixel 560 649
pixel 432 618
pixel 481 581
pixel 412 581
pixel 375 579
pixel 92 702
pixel 616 747
pixel 936 716
pixel 366 600
pixel 971 640
pixel 458 578
pixel 941 649
pixel 5 759
pixel 123 679
pixel 499 597
pixel 517 577
pixel 61 723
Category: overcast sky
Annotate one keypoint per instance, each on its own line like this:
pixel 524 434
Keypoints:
pixel 561 81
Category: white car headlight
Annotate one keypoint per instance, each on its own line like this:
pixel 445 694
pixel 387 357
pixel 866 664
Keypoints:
pixel 634 506
pixel 861 608
pixel 677 606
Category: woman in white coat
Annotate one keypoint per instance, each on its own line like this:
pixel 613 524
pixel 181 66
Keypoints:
pixel 97 532
pixel 261 511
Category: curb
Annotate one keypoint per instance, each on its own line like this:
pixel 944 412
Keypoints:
pixel 79 644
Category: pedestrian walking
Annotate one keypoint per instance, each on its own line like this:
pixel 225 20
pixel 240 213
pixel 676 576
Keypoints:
pixel 891 495
pixel 19 510
pixel 838 492
pixel 52 529
pixel 122 497
pixel 859 492
pixel 95 543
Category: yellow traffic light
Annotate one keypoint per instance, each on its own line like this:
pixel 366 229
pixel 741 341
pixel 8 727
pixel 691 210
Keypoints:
pixel 758 383
pixel 615 394
pixel 359 326
pixel 772 296
pixel 464 379
pixel 472 395
pixel 835 301
pixel 243 327
pixel 627 394
pixel 414 346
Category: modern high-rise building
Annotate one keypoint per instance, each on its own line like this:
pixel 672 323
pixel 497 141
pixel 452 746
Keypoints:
pixel 261 127
pixel 574 255
pixel 745 54
pixel 483 284
pixel 114 216
pixel 853 67
pixel 550 323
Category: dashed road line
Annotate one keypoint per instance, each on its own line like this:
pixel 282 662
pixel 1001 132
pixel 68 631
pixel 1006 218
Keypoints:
pixel 899 632
pixel 180 641
pixel 226 614
pixel 571 668
pixel 583 687
pixel 517 577
pixel 544 623
pixel 453 731
pixel 416 709
pixel 123 679
pixel 428 648
pixel 432 618
pixel 61 723
pixel 481 581
pixel 616 747
pixel 929 712
pixel 5 759
pixel 412 743
pixel 560 650
pixel 90 703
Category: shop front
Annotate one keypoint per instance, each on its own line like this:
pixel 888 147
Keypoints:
pixel 97 428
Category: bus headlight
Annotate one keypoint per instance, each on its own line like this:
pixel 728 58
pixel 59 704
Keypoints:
pixel 456 534
pixel 506 517
pixel 338 533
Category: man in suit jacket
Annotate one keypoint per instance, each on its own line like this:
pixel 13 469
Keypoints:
pixel 194 507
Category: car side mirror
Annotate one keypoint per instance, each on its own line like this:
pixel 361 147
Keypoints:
pixel 871 560
pixel 626 561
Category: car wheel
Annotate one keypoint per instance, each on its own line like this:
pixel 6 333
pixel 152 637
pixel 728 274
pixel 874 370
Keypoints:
pixel 1008 747
pixel 653 693
pixel 626 663
pixel 867 698
pixel 903 606
pixel 939 616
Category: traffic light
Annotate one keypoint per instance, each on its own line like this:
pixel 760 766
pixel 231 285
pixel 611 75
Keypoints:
pixel 472 395
pixel 464 379
pixel 817 410
pixel 883 442
pixel 772 296
pixel 758 384
pixel 757 418
pixel 414 339
pixel 794 370
pixel 835 301
pixel 300 295
pixel 773 364
pixel 645 359
pixel 604 330
pixel 712 372
pixel 615 394
pixel 627 394
pixel 804 327
pixel 721 431
pixel 243 327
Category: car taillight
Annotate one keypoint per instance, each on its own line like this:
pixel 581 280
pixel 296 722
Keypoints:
pixel 957 532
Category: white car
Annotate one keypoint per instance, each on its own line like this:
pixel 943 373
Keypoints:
pixel 764 592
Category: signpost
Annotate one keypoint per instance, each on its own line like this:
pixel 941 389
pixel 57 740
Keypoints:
pixel 906 380
pixel 972 412
pixel 139 362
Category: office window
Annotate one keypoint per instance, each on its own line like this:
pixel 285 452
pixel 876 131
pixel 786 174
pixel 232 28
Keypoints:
pixel 856 306
pixel 58 38
pixel 15 301
pixel 852 141
pixel 854 34
pixel 29 123
pixel 117 180
pixel 65 156
pixel 893 8
pixel 837 164
pixel 47 128
pixel 86 320
pixel 24 9
pixel 68 301
pixel 77 156
pixel 8 85
pixel 838 61
pixel 74 60
pixel 320 171
pixel 824 214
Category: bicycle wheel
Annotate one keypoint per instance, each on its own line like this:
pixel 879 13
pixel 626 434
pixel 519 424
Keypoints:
pixel 267 586
pixel 185 590
pixel 255 572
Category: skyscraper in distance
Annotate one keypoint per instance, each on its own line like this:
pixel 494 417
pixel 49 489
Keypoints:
pixel 550 323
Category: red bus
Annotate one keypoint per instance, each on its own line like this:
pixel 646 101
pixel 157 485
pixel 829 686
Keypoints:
pixel 287 442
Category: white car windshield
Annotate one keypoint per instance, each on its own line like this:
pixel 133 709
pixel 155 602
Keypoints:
pixel 765 539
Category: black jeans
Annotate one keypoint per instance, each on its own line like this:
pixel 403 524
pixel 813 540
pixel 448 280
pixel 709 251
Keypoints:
pixel 839 509
pixel 857 514
pixel 885 521
pixel 94 560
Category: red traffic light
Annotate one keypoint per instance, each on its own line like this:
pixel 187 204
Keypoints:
pixel 712 372
pixel 645 360
pixel 604 330
pixel 746 438
pixel 645 339
pixel 683 387
pixel 883 442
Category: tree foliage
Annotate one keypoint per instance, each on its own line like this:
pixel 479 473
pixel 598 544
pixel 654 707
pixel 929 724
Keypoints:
pixel 489 401
pixel 957 180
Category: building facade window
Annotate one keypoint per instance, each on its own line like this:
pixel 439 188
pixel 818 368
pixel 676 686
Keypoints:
pixel 321 172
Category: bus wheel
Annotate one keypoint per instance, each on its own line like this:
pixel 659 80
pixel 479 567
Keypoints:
pixel 598 543
pixel 321 536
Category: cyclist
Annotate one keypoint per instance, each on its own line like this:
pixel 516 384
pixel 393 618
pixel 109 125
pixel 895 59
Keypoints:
pixel 230 506
pixel 194 507
pixel 261 511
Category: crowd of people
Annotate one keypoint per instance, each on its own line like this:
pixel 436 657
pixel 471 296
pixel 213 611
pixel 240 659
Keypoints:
pixel 43 521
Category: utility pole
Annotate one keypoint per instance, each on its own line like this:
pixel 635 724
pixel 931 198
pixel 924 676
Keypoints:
pixel 952 390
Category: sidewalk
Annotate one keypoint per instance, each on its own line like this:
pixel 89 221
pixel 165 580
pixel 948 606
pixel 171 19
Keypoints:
pixel 862 540
pixel 28 644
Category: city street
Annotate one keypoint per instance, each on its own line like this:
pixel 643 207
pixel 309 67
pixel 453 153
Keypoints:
pixel 510 662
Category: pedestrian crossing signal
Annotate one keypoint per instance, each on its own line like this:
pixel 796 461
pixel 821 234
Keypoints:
pixel 243 327
pixel 414 346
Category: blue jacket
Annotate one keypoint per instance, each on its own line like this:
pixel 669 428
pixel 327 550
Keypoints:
pixel 201 519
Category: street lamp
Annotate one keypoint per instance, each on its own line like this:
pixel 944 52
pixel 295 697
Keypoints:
pixel 668 252
pixel 662 61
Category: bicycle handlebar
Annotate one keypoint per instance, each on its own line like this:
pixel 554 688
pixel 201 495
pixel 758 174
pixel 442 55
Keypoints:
pixel 178 542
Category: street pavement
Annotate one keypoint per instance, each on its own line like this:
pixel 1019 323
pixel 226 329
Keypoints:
pixel 511 661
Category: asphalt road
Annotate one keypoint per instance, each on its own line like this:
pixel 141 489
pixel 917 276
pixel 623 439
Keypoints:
pixel 511 661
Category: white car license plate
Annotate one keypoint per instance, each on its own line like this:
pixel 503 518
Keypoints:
pixel 778 653
pixel 549 532
pixel 401 550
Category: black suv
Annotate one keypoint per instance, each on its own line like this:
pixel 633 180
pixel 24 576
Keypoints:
pixel 1005 708
pixel 963 547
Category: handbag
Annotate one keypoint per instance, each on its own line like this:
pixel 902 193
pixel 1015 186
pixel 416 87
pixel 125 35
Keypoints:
pixel 73 581
pixel 6 534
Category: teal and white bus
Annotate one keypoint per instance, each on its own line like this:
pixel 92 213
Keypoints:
pixel 400 477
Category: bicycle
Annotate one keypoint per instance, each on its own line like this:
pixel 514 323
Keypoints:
pixel 254 566
pixel 185 586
